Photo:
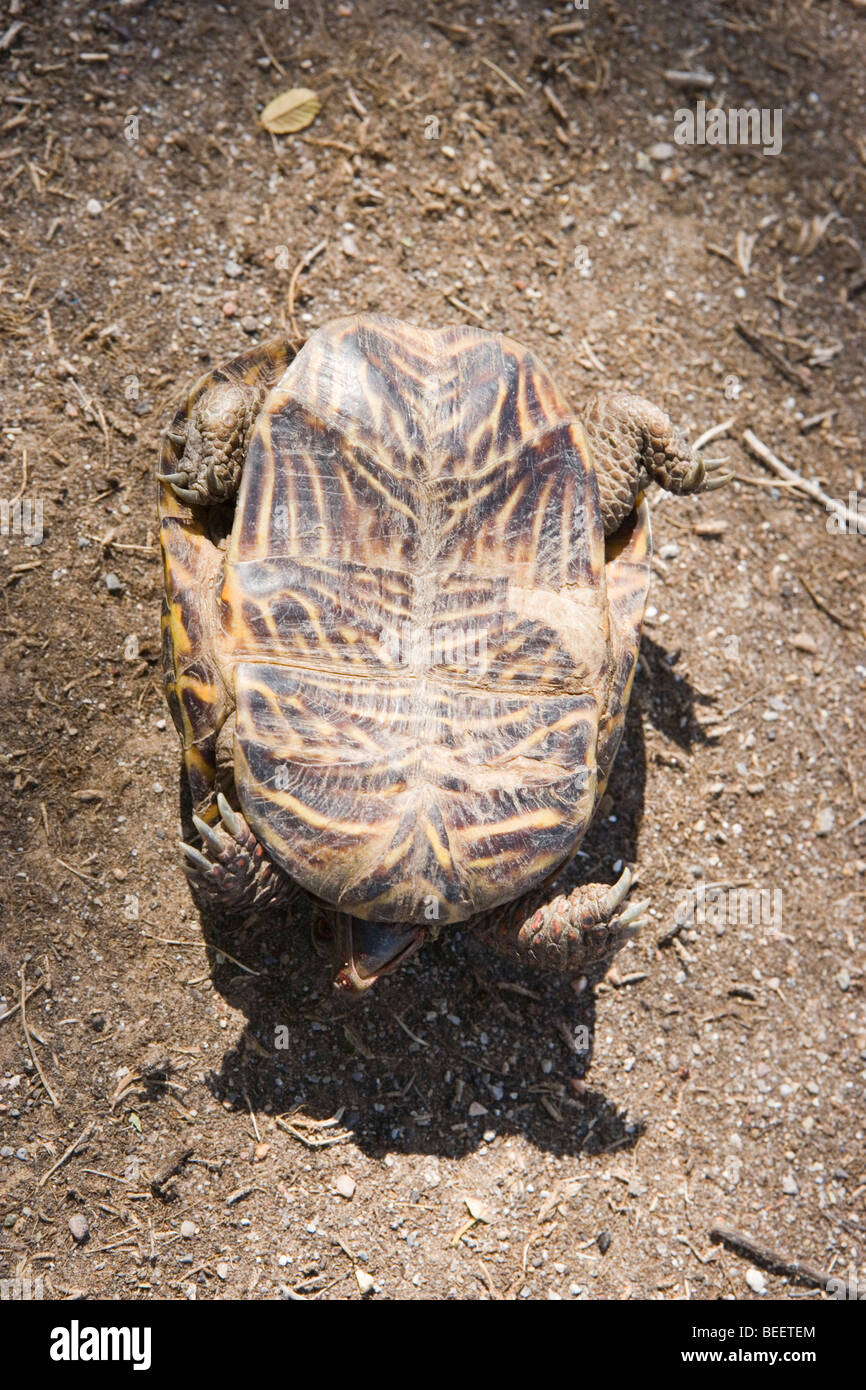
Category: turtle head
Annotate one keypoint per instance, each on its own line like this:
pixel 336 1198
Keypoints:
pixel 364 951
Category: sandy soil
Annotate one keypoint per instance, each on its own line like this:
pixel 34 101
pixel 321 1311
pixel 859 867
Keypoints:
pixel 477 168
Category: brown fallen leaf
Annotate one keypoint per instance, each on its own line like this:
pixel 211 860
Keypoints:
pixel 479 1211
pixel 291 111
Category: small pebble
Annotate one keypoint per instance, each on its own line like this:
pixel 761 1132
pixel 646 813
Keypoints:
pixel 345 1185
pixel 79 1228
pixel 661 151
pixel 669 551
pixel 94 207
pixel 230 308
pixel 113 584
pixel 222 1270
pixel 603 1241
pixel 477 1109
pixel 249 324
pixel 789 1185
pixel 349 247
pixel 365 1281
pixel 843 979
pixel 756 1281
pixel 803 642
pixel 824 821
pixel 233 270
pixel 187 1229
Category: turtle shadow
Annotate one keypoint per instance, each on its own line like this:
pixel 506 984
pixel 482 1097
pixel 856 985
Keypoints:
pixel 459 1048
pixel 668 700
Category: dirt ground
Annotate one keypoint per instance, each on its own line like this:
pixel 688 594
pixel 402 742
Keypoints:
pixel 471 1130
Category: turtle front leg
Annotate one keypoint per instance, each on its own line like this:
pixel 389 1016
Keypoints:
pixel 210 435
pixel 568 933
pixel 231 872
pixel 632 443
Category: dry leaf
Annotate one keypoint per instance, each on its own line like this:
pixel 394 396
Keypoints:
pixel 291 111
pixel 479 1211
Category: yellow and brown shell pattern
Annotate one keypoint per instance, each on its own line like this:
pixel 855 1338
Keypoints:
pixel 425 640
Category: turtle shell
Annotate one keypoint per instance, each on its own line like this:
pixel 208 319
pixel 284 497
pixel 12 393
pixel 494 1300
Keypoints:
pixel 428 668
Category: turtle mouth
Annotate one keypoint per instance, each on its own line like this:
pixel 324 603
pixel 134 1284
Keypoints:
pixel 368 950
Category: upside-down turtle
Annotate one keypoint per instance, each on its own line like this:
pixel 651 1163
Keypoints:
pixel 405 585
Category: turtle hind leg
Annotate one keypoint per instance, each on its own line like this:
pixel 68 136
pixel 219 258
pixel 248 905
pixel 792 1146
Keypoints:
pixel 209 438
pixel 632 443
pixel 215 443
pixel 231 872
pixel 567 933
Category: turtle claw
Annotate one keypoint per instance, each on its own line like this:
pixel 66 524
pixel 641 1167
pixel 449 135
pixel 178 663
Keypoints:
pixel 618 891
pixel 231 871
pixel 209 835
pixel 632 913
pixel 195 861
pixel 695 477
pixel 185 494
pixel 230 818
pixel 713 484
pixel 178 484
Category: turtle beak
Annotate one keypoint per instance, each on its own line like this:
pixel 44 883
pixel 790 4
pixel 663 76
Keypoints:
pixel 368 950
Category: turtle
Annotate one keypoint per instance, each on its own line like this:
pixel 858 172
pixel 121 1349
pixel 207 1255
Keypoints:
pixel 404 591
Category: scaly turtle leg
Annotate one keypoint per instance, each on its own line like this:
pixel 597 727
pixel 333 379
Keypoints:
pixel 211 433
pixel 568 933
pixel 633 443
pixel 231 872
